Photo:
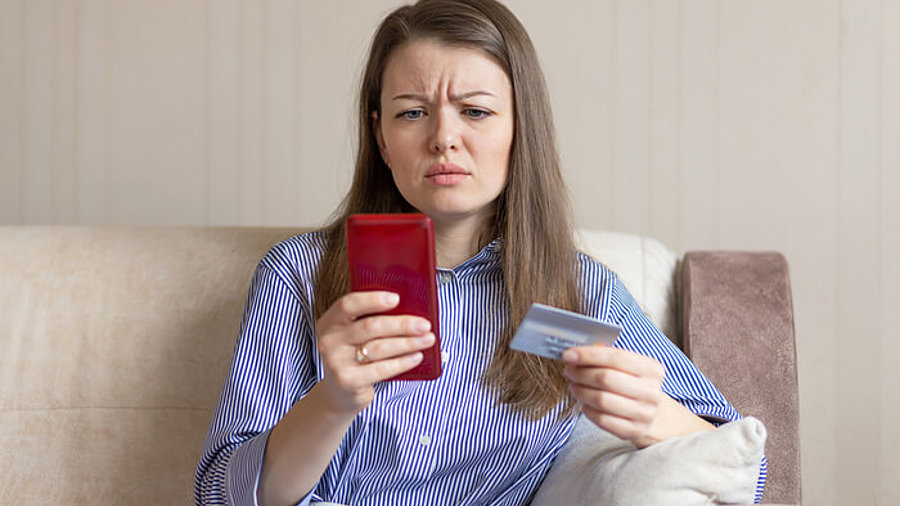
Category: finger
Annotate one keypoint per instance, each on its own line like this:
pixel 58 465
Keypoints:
pixel 381 370
pixel 613 380
pixel 613 404
pixel 375 327
pixel 614 358
pixel 390 347
pixel 355 305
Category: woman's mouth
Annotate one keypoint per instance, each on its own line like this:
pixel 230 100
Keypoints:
pixel 446 174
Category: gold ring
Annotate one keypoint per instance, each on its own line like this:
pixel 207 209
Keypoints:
pixel 362 354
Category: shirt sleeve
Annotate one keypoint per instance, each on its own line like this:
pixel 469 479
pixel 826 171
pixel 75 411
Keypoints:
pixel 683 381
pixel 273 365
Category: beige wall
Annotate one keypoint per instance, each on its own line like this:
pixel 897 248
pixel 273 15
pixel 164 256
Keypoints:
pixel 757 124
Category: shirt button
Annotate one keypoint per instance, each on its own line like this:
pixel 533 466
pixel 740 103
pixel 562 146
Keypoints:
pixel 446 277
pixel 424 440
pixel 445 357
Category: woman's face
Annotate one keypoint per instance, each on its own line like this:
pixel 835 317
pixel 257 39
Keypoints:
pixel 446 128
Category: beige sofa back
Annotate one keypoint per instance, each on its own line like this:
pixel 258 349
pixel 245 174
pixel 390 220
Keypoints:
pixel 115 343
pixel 114 346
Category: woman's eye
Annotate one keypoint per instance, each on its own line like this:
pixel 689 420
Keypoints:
pixel 477 113
pixel 413 114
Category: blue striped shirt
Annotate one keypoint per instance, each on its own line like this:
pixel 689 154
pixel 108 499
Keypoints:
pixel 445 441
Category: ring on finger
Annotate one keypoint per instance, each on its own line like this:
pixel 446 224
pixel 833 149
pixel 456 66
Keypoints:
pixel 362 354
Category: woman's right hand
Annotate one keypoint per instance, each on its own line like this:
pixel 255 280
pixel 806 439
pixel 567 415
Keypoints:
pixel 392 344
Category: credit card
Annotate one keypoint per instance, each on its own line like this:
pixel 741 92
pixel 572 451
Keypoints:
pixel 549 331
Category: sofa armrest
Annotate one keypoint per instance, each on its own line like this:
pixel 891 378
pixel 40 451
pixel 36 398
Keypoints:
pixel 738 328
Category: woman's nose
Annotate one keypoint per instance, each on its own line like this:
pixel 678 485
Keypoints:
pixel 446 132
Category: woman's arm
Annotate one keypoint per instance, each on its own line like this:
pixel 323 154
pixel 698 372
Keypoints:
pixel 279 359
pixel 304 441
pixel 300 448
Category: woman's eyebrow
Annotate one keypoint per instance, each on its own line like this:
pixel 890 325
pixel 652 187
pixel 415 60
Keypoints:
pixel 453 98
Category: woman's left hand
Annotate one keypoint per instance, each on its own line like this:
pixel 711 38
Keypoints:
pixel 619 390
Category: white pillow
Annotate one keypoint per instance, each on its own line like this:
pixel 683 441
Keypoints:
pixel 705 468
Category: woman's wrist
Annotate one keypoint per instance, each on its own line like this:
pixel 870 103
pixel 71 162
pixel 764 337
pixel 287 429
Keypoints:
pixel 328 411
pixel 673 420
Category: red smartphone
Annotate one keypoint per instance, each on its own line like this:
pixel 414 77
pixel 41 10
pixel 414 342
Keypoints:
pixel 395 253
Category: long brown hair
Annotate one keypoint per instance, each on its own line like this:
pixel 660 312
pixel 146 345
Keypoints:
pixel 533 216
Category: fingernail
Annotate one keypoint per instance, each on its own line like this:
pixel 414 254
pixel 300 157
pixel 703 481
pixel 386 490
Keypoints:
pixel 422 326
pixel 570 355
pixel 391 298
pixel 415 359
pixel 427 339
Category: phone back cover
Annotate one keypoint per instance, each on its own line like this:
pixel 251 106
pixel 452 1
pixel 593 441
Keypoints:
pixel 395 252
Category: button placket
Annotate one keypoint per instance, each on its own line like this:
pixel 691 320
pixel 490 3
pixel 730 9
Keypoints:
pixel 429 439
pixel 445 278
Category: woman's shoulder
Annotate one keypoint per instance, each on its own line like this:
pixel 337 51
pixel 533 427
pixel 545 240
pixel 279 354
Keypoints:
pixel 598 285
pixel 296 258
pixel 593 271
pixel 604 294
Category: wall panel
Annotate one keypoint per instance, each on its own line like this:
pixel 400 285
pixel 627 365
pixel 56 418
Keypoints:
pixel 92 128
pixel 699 128
pixel 157 127
pixel 889 444
pixel 252 110
pixel 664 150
pixel 760 88
pixel 280 204
pixel 63 151
pixel 809 237
pixel 631 159
pixel 37 125
pixel 12 113
pixel 221 172
pixel 859 261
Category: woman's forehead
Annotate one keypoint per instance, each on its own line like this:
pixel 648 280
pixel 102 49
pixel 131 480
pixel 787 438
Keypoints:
pixel 429 67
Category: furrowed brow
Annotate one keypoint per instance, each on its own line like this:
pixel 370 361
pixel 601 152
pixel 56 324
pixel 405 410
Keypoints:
pixel 409 96
pixel 453 98
pixel 470 94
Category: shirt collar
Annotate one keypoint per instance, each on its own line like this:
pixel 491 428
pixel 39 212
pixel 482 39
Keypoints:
pixel 488 255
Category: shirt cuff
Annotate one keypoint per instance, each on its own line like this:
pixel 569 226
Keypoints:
pixel 715 420
pixel 306 501
pixel 761 481
pixel 244 471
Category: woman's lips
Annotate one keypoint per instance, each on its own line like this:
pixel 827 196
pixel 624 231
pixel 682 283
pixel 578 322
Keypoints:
pixel 446 174
pixel 447 179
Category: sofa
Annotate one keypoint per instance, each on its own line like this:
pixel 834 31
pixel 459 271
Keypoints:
pixel 115 342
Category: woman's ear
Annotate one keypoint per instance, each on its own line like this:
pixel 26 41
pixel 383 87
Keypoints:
pixel 379 138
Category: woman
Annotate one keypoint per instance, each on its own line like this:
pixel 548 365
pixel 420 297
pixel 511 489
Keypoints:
pixel 454 122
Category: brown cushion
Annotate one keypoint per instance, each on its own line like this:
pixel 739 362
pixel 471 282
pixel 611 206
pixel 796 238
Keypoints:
pixel 739 331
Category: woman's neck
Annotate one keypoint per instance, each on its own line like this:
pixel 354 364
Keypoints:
pixel 456 242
